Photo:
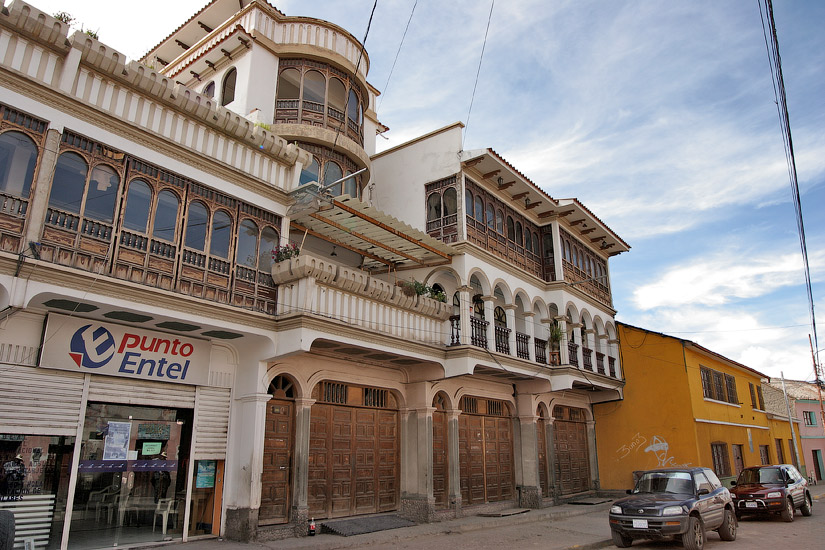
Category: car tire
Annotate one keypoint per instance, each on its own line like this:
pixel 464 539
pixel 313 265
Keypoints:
pixel 621 540
pixel 807 507
pixel 728 529
pixel 788 511
pixel 694 538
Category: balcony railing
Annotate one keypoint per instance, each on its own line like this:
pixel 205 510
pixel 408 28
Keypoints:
pixel 611 363
pixel 522 346
pixel 455 330
pixel 478 332
pixel 587 358
pixel 502 340
pixel 573 353
pixel 541 351
pixel 599 362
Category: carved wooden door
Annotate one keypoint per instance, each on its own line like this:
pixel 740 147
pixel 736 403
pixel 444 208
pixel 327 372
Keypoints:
pixel 275 480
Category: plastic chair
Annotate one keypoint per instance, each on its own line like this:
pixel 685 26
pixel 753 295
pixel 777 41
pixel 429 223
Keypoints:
pixel 166 507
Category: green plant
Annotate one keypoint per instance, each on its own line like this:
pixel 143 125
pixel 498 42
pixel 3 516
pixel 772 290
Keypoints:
pixel 91 33
pixel 64 17
pixel 555 335
pixel 285 252
pixel 417 288
pixel 437 295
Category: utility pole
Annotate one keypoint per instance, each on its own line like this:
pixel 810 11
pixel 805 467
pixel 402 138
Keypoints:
pixel 790 421
pixel 818 384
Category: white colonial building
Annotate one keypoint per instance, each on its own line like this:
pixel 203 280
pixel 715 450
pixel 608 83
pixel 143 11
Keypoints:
pixel 433 348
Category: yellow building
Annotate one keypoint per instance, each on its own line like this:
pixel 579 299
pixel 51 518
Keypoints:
pixel 684 405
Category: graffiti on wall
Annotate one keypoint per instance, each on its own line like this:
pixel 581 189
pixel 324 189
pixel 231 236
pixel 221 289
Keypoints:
pixel 657 445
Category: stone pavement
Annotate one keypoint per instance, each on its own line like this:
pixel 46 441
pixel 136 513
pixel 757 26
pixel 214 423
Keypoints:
pixel 570 527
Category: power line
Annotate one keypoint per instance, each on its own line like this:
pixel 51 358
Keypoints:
pixel 480 59
pixel 387 84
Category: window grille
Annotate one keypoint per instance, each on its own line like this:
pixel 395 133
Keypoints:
pixel 335 393
pixel 730 386
pixel 373 397
pixel 495 408
pixel 23 120
pixel 469 405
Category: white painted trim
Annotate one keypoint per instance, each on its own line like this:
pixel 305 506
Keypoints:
pixel 704 421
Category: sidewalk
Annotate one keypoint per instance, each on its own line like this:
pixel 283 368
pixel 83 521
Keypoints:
pixel 573 527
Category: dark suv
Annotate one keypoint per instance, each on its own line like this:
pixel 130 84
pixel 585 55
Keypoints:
pixel 678 502
pixel 771 489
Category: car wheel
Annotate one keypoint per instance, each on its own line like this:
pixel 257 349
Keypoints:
pixel 728 529
pixel 694 538
pixel 621 540
pixel 787 513
pixel 807 507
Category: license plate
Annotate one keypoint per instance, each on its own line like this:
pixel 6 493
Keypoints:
pixel 640 524
pixel 750 505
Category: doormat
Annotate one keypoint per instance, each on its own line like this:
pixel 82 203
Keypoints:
pixel 361 525
pixel 590 501
pixel 505 513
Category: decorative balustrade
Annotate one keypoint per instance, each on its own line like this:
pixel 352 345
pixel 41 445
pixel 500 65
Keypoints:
pixel 587 358
pixel 573 353
pixel 455 330
pixel 522 346
pixel 599 362
pixel 541 351
pixel 502 340
pixel 310 285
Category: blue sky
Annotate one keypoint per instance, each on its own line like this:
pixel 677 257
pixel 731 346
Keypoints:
pixel 657 115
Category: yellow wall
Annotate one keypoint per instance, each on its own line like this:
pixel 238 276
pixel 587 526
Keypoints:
pixel 780 429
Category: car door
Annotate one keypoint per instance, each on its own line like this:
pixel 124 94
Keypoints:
pixel 795 486
pixel 711 505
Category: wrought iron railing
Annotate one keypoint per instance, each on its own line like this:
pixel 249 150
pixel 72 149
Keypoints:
pixel 587 358
pixel 573 353
pixel 478 332
pixel 455 330
pixel 522 346
pixel 599 362
pixel 502 340
pixel 541 351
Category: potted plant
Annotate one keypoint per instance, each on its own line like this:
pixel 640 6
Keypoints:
pixel 555 336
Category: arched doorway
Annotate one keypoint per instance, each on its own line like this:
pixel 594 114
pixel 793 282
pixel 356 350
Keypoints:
pixel 277 466
pixel 572 457
pixel 485 443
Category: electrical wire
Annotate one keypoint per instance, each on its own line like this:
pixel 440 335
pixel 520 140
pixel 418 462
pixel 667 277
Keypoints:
pixel 478 72
pixel 387 84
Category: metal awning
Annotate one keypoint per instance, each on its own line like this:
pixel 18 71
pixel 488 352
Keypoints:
pixel 384 241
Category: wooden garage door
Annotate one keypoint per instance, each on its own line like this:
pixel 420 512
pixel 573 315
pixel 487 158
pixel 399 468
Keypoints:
pixel 485 439
pixel 572 460
pixel 440 456
pixel 353 454
pixel 277 463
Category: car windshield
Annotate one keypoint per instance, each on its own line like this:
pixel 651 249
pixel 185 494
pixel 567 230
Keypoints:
pixel 678 483
pixel 759 475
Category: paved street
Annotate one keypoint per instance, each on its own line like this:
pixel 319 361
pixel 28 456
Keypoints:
pixel 563 527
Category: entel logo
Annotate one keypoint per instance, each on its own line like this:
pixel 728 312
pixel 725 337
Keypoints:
pixel 92 348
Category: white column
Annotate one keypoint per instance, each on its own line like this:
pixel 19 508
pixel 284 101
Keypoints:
pixel 510 315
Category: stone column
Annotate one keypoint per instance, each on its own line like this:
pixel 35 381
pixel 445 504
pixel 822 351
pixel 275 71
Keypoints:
pixel 510 313
pixel 550 437
pixel 527 467
pixel 454 464
pixel 489 306
pixel 564 355
pixel 417 501
pixel 595 484
pixel 465 298
pixel 299 513
pixel 247 444
pixel 42 186
pixel 529 330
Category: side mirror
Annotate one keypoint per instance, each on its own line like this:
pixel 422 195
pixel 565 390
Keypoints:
pixel 703 491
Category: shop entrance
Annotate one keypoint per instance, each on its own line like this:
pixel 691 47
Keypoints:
pixel 131 481
pixel 572 458
pixel 485 455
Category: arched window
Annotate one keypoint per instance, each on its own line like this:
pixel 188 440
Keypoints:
pixel 166 216
pixel 310 172
pixel 548 245
pixel 511 229
pixel 247 249
pixel 228 88
pixel 350 186
pixel 209 90
pixel 354 108
pixel 519 236
pixel 269 240
pixel 500 222
pixel 433 207
pixel 332 172
pixel 536 244
pixel 337 97
pixel 221 234
pixel 491 217
pixel 138 201
pixel 197 221
pixel 450 199
pixel 468 203
pixel 18 158
pixel 100 198
pixel 528 241
pixel 478 307
pixel 315 87
pixel 69 183
pixel 575 256
pixel 567 255
pixel 479 209
pixel 289 84
pixel 500 317
pixel 456 304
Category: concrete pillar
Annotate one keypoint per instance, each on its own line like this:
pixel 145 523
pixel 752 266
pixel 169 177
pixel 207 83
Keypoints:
pixel 595 484
pixel 510 313
pixel 454 465
pixel 300 464
pixel 42 186
pixel 527 463
pixel 576 337
pixel 466 299
pixel 489 306
pixel 551 459
pixel 564 354
pixel 530 330
pixel 417 501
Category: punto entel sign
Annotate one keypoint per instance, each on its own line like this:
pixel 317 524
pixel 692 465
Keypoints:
pixel 84 345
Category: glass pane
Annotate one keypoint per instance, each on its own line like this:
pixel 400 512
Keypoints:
pixel 511 228
pixel 332 172
pixel 166 216
pixel 518 233
pixel 34 473
pixel 228 92
pixel 18 157
pixel 528 241
pixel 196 223
pixel 479 209
pixel 536 244
pixel 499 222
pixel 247 250
pixel 68 183
pixel 433 207
pixel 314 87
pixel 468 203
pixel 337 95
pixel 491 220
pixel 137 206
pixel 209 90
pixel 450 199
pixel 100 200
pixel 221 233
pixel 289 84
pixel 269 240
pixel 352 107
pixel 131 479
pixel 310 173
pixel 351 186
